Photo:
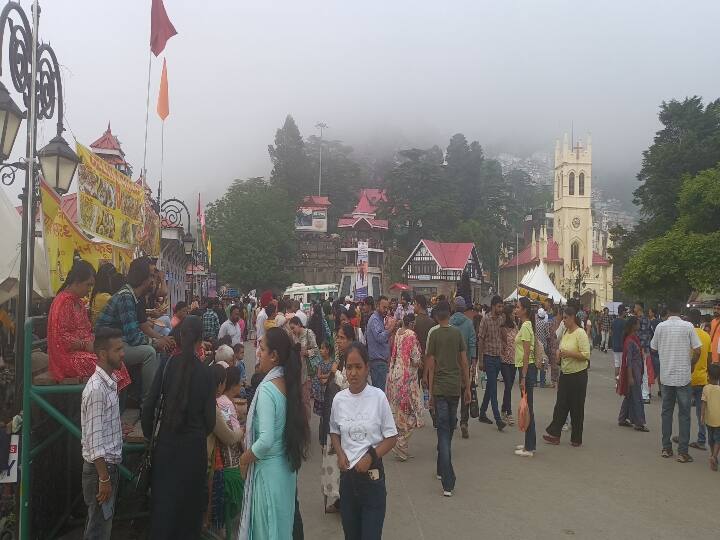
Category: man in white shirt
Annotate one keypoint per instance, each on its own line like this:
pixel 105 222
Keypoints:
pixel 232 327
pixel 259 331
pixel 679 348
pixel 299 313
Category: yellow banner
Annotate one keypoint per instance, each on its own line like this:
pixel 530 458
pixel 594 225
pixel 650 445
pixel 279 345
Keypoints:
pixel 64 240
pixel 110 204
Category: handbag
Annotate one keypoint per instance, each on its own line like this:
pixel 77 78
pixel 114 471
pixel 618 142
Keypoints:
pixel 142 479
pixel 474 408
pixel 523 416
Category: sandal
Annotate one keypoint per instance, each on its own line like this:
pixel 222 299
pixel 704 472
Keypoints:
pixel 697 446
pixel 644 429
pixel 685 458
pixel 666 453
pixel 713 463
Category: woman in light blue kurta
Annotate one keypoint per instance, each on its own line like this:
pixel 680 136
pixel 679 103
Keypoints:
pixel 277 439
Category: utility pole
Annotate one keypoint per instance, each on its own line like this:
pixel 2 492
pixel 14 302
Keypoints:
pixel 320 126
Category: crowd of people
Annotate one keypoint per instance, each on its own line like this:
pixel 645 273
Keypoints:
pixel 224 452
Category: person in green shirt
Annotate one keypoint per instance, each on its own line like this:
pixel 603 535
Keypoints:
pixel 448 373
pixel 574 355
pixel 525 361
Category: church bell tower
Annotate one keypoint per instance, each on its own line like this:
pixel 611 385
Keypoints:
pixel 571 195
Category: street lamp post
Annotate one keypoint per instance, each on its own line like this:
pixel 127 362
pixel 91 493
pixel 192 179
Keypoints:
pixel 320 126
pixel 171 213
pixel 35 73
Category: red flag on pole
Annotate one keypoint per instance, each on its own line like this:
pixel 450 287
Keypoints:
pixel 163 104
pixel 161 29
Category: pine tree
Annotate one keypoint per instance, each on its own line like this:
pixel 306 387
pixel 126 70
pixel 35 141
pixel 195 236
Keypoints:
pixel 292 171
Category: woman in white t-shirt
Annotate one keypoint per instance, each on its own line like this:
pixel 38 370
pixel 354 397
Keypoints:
pixel 362 431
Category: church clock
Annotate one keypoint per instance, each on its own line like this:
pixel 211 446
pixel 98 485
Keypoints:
pixel 576 222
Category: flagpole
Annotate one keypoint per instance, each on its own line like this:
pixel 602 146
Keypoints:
pixel 517 263
pixel 162 160
pixel 147 116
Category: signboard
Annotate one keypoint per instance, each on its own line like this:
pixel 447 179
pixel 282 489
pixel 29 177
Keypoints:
pixel 9 471
pixel 361 274
pixel 311 219
pixel 110 204
pixel 64 240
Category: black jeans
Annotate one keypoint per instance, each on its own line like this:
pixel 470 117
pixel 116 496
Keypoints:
pixel 446 420
pixel 362 505
pixel 508 374
pixel 572 389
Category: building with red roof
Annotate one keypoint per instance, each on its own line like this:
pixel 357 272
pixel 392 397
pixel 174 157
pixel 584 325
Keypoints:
pixel 564 239
pixel 109 148
pixel 436 268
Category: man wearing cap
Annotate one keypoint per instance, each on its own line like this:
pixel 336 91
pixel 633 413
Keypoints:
pixel 464 323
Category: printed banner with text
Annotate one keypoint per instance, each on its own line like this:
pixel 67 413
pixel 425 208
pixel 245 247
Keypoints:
pixel 110 204
pixel 63 240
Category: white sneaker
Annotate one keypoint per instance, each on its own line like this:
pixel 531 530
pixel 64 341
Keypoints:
pixel 447 493
pixel 509 420
pixel 520 447
pixel 438 477
pixel 524 453
pixel 565 427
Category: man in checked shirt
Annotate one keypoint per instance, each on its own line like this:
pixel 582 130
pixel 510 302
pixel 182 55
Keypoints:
pixel 102 435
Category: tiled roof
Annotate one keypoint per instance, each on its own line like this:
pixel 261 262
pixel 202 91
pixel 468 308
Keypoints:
pixel 369 199
pixel 315 201
pixel 350 222
pixel 69 207
pixel 108 141
pixel 553 256
pixel 450 255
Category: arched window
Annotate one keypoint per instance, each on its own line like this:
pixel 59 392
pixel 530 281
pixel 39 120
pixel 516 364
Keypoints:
pixel 581 184
pixel 575 255
pixel 558 189
pixel 571 184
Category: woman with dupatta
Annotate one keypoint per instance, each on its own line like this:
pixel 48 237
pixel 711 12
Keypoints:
pixel 403 386
pixel 632 410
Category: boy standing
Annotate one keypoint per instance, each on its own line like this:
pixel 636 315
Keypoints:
pixel 448 373
pixel 711 413
pixel 102 435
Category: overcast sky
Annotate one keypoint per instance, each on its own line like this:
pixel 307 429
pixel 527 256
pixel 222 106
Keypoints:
pixel 511 74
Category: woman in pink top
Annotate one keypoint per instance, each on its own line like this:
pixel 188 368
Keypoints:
pixel 507 367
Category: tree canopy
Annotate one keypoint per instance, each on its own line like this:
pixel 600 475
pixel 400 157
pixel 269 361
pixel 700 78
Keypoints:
pixel 252 228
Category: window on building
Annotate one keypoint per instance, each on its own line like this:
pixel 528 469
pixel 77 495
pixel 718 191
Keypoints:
pixel 376 291
pixel 581 184
pixel 571 184
pixel 575 255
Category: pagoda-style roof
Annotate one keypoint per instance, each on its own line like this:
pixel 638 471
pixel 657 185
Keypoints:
pixel 107 142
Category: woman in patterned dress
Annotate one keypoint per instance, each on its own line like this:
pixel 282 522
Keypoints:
pixel 403 386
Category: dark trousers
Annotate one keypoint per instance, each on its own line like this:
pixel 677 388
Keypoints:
pixel 298 533
pixel 96 526
pixel 446 421
pixel 492 369
pixel 508 374
pixel 530 382
pixel 362 505
pixel 572 389
pixel 632 407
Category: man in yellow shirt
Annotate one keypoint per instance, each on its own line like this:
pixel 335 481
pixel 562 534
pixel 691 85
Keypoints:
pixel 699 376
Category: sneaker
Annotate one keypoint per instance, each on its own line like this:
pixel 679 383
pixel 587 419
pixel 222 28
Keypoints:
pixel 483 419
pixel 447 493
pixel 501 425
pixel 509 420
pixel 520 447
pixel 438 477
pixel 524 453
pixel 565 427
pixel 464 431
pixel 551 440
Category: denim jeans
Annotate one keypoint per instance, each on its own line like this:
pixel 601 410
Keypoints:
pixel 632 407
pixel 492 369
pixel 605 339
pixel 530 437
pixel 146 357
pixel 362 505
pixel 508 374
pixel 96 526
pixel 681 395
pixel 446 421
pixel 378 373
pixel 697 398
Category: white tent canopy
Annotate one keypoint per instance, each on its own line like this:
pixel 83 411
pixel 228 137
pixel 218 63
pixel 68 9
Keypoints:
pixel 537 278
pixel 11 227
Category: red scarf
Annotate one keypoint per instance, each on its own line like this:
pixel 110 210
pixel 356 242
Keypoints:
pixel 623 388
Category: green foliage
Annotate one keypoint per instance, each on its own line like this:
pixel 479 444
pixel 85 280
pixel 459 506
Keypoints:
pixel 292 170
pixel 252 229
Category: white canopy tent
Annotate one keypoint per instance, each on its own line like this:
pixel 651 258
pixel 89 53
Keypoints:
pixel 11 227
pixel 537 278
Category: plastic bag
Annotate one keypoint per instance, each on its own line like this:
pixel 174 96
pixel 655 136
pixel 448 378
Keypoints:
pixel 523 415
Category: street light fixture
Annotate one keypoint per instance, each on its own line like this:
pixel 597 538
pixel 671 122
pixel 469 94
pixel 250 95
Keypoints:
pixel 10 118
pixel 58 163
pixel 188 244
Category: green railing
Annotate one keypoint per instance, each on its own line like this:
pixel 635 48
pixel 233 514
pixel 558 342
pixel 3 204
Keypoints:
pixel 33 395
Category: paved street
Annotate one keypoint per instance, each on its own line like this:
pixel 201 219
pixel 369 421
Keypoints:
pixel 615 487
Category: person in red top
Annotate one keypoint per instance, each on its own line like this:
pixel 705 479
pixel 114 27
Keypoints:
pixel 715 334
pixel 69 333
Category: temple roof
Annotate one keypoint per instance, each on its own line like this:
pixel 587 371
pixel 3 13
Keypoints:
pixel 107 141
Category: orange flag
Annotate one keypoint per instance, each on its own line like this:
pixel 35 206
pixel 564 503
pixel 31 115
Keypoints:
pixel 163 104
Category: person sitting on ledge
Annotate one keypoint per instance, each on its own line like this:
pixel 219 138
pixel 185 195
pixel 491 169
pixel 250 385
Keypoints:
pixel 69 333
